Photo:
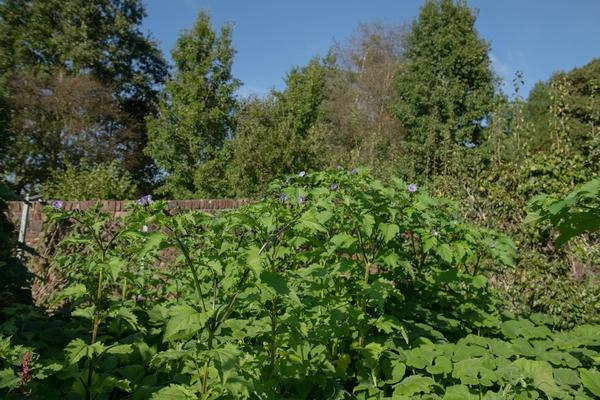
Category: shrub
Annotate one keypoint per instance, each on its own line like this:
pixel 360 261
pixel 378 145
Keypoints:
pixel 90 182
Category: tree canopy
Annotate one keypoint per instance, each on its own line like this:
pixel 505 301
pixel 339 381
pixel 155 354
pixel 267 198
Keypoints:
pixel 196 111
pixel 446 87
pixel 100 42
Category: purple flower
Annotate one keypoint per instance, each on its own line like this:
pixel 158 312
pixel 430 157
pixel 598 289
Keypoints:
pixel 469 145
pixel 144 200
pixel 412 188
pixel 300 199
pixel 57 205
pixel 301 174
pixel 333 186
pixel 283 197
pixel 354 171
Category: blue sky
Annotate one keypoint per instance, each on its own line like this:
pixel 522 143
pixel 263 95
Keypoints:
pixel 537 37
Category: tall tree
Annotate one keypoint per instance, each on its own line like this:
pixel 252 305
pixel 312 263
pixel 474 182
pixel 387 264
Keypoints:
pixel 196 112
pixel 446 88
pixel 574 98
pixel 100 39
pixel 282 133
pixel 361 91
pixel 59 120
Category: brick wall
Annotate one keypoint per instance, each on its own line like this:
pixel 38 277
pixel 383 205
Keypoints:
pixel 116 207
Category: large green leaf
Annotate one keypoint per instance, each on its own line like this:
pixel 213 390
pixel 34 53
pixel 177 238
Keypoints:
pixel 174 392
pixel 543 378
pixel 275 281
pixel 8 379
pixel 459 392
pixel 413 385
pixel 388 231
pixel 184 322
pixel 591 380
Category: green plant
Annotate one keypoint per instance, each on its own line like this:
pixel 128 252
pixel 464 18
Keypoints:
pixel 573 215
pixel 90 182
pixel 333 286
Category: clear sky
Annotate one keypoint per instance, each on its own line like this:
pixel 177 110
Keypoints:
pixel 537 37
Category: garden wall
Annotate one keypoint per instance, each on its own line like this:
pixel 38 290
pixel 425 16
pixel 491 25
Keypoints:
pixel 116 207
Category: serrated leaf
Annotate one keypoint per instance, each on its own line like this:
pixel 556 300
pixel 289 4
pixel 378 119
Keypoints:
pixel 120 349
pixel 78 349
pixel 342 240
pixel 275 281
pixel 8 379
pixel 388 231
pixel 72 293
pixel 153 242
pixel 184 322
pixel 174 392
pixel 445 252
pixel 87 312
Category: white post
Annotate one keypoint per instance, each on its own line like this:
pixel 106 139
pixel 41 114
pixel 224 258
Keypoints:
pixel 23 226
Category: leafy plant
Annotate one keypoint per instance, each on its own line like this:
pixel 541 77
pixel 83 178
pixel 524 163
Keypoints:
pixel 577 213
pixel 333 286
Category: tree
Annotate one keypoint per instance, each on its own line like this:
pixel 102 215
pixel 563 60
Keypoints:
pixel 536 112
pixel 568 101
pixel 361 91
pixel 196 111
pixel 60 119
pixel 100 39
pixel 282 133
pixel 446 87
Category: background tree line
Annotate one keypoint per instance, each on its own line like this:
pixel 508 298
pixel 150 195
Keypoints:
pixel 86 97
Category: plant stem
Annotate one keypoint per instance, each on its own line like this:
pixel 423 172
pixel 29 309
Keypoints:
pixel 363 306
pixel 190 264
pixel 273 333
pixel 95 324
pixel 211 335
pixel 123 298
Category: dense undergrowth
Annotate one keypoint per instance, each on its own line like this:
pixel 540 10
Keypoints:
pixel 334 286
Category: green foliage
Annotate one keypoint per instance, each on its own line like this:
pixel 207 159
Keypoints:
pixel 360 89
pixel 575 94
pixel 90 182
pixel 196 109
pixel 446 87
pixel 334 284
pixel 51 47
pixel 277 135
pixel 572 216
pixel 290 297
